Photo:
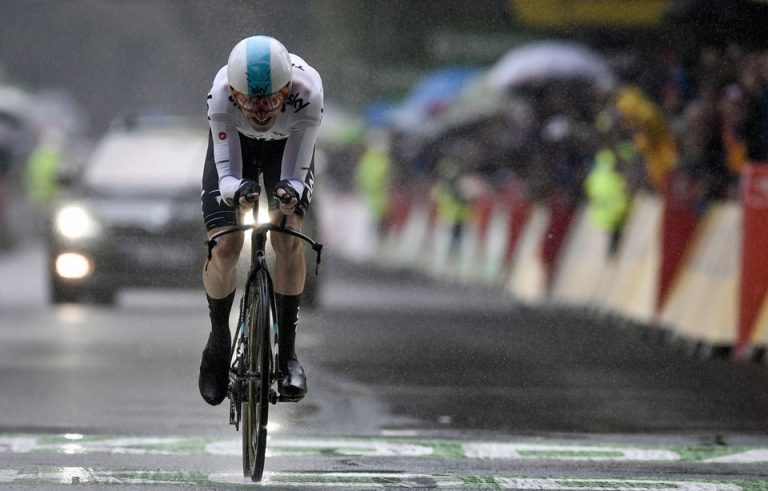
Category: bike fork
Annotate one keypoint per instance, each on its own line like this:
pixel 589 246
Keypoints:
pixel 236 388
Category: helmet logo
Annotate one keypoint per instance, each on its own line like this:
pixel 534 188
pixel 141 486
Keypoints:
pixel 259 67
pixel 262 85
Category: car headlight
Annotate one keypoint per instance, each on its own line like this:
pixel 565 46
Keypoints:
pixel 73 266
pixel 74 222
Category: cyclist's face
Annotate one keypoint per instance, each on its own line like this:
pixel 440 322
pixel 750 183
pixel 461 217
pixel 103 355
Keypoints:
pixel 261 112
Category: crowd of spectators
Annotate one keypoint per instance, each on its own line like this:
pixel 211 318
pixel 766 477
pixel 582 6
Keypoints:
pixel 33 146
pixel 701 116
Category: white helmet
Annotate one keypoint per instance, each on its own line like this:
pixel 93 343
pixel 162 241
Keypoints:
pixel 259 66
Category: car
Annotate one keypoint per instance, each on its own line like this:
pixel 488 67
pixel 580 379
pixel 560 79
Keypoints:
pixel 131 216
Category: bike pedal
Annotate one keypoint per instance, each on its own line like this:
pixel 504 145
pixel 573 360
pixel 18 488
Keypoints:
pixel 237 391
pixel 232 420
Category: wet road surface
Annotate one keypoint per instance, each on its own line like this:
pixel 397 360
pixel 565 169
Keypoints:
pixel 413 383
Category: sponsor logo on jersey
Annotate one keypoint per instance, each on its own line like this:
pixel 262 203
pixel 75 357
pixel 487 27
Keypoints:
pixel 295 102
pixel 309 185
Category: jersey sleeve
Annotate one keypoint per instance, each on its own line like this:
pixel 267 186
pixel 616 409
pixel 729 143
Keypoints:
pixel 226 141
pixel 297 157
pixel 307 106
pixel 226 153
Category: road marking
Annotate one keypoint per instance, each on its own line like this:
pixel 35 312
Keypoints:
pixel 345 447
pixel 749 457
pixel 74 444
pixel 36 476
pixel 566 452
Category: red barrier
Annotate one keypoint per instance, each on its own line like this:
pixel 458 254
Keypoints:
pixel 400 207
pixel 482 211
pixel 561 212
pixel 754 244
pixel 678 223
pixel 515 202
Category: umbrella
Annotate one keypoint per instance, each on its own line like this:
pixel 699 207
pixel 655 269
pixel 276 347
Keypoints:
pixel 551 60
pixel 431 96
pixel 476 101
pixel 378 113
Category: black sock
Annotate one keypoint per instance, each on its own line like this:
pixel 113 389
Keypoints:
pixel 287 320
pixel 218 309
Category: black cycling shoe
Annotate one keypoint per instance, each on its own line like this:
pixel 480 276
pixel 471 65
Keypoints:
pixel 293 383
pixel 214 369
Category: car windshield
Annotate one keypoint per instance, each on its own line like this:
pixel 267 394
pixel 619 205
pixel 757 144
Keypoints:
pixel 157 160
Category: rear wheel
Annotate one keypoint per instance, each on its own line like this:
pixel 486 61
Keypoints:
pixel 258 376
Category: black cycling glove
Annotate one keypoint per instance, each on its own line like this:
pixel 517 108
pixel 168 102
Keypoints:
pixel 247 190
pixel 290 192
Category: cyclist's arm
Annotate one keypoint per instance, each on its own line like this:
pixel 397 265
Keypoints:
pixel 297 157
pixel 226 153
pixel 306 113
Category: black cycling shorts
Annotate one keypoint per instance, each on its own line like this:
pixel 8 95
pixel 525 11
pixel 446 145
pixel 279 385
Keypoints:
pixel 259 157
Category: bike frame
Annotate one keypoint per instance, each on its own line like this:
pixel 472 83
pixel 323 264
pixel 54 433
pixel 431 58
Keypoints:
pixel 241 378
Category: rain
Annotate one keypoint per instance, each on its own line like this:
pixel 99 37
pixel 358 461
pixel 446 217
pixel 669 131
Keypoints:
pixel 533 255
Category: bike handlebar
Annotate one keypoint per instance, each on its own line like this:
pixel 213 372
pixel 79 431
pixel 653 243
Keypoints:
pixel 263 229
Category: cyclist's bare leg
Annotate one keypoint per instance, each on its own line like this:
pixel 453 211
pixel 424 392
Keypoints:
pixel 220 272
pixel 219 278
pixel 289 275
pixel 290 265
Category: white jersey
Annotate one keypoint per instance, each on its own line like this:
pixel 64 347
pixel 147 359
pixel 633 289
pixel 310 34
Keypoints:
pixel 298 121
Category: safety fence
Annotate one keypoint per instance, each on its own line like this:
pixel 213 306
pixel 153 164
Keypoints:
pixel 695 274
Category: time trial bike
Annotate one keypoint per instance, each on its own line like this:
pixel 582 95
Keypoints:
pixel 255 352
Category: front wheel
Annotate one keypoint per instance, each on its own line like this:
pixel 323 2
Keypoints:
pixel 259 377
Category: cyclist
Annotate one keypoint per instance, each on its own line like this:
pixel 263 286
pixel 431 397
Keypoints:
pixel 264 111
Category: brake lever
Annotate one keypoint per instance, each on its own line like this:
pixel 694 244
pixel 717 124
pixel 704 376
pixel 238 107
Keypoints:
pixel 318 248
pixel 284 199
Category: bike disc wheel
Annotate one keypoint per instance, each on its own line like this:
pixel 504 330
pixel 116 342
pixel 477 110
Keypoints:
pixel 259 376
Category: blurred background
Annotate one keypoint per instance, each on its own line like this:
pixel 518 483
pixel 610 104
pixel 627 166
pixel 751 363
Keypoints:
pixel 474 158
pixel 586 102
